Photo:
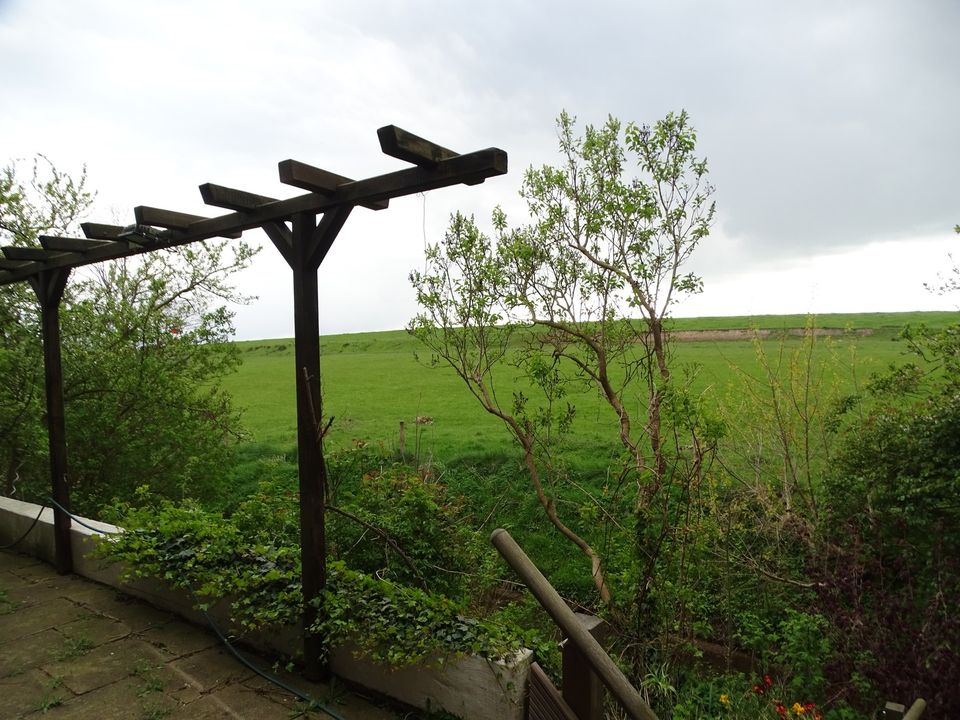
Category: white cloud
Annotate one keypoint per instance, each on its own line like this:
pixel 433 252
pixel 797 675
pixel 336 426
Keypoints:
pixel 876 277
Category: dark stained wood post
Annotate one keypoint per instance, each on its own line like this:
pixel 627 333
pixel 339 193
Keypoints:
pixel 309 244
pixel 313 545
pixel 49 286
pixel 582 688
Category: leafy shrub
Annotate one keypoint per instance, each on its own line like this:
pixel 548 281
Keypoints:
pixel 441 551
pixel 889 565
pixel 397 624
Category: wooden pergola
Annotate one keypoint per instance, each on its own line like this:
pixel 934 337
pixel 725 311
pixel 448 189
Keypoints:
pixel 303 229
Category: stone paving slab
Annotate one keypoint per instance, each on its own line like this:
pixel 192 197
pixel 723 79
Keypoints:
pixel 29 620
pixel 97 629
pixel 211 669
pixel 28 651
pixel 15 560
pixel 27 692
pixel 177 639
pixel 135 614
pixel 71 649
pixel 83 671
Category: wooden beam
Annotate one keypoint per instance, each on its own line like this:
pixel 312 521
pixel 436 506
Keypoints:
pixel 99 231
pixel 280 236
pixel 172 220
pixel 27 254
pixel 310 462
pixel 68 244
pixel 327 230
pixel 16 264
pixel 232 199
pixel 307 177
pixel 404 145
pixel 49 286
pixel 469 167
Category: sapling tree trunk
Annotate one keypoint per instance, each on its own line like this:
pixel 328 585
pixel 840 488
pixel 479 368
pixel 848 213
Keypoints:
pixel 587 285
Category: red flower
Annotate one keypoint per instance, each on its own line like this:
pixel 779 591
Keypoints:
pixel 809 706
pixel 767 681
pixel 781 710
pixel 757 690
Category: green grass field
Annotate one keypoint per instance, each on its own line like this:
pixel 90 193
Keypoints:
pixel 373 381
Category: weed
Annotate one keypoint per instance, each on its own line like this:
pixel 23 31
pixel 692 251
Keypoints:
pixel 147 671
pixel 151 684
pixel 7 605
pixel 75 647
pixel 155 711
pixel 336 693
pixel 48 702
pixel 288 666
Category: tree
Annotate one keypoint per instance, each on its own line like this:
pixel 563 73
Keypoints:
pixel 591 280
pixel 951 283
pixel 50 202
pixel 144 341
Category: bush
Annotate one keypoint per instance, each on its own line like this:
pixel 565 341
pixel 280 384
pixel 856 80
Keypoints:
pixel 889 567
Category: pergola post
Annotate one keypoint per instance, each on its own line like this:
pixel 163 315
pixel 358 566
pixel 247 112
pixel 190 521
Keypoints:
pixel 309 244
pixel 49 286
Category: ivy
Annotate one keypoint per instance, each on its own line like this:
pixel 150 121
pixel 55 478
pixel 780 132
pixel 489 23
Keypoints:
pixel 399 625
pixel 258 573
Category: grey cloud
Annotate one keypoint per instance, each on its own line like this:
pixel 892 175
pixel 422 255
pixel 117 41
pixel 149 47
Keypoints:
pixel 827 125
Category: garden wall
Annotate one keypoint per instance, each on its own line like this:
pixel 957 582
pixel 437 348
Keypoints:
pixel 471 687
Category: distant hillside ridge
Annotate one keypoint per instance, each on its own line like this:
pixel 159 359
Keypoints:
pixel 722 334
pixel 733 327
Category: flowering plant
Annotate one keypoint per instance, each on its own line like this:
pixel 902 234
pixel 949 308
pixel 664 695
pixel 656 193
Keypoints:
pixel 808 710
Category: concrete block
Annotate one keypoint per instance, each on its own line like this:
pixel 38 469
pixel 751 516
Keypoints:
pixel 469 686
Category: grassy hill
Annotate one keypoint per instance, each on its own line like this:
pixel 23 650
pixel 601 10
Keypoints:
pixel 373 381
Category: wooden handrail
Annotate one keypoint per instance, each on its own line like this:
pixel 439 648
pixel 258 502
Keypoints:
pixel 567 621
pixel 916 710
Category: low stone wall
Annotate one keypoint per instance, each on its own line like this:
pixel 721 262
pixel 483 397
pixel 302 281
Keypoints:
pixel 471 687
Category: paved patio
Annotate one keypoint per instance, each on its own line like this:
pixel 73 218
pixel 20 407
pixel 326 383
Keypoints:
pixel 71 648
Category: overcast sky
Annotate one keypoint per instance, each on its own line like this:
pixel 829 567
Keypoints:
pixel 831 128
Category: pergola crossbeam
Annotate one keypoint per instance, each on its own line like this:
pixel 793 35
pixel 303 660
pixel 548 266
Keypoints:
pixel 99 231
pixel 170 219
pixel 404 145
pixel 314 179
pixel 465 168
pixel 231 198
pixel 173 220
pixel 17 264
pixel 31 254
pixel 69 244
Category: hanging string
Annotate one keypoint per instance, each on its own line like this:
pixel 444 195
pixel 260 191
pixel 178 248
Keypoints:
pixel 423 226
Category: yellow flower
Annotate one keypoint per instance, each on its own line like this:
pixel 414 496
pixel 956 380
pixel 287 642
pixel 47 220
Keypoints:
pixel 799 709
pixel 725 699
